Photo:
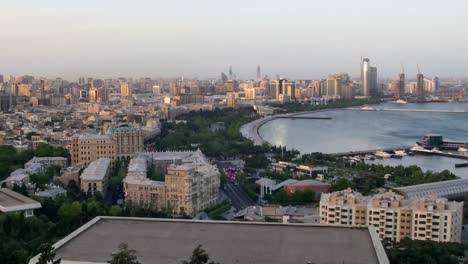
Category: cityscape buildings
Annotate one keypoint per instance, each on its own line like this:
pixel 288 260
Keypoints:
pixel 395 217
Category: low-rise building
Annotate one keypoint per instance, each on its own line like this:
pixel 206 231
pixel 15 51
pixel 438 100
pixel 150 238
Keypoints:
pixel 313 185
pixel 87 148
pixel 95 177
pixel 173 240
pixel 394 216
pixel 13 202
pixel 48 161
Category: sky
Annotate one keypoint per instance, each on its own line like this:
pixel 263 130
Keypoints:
pixel 200 38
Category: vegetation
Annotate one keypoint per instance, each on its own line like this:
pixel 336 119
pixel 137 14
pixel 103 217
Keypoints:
pixel 124 256
pixel 47 255
pixel 22 237
pixel 11 159
pixel 282 197
pixel 45 176
pixel 417 251
pixel 119 169
pixel 247 185
pixel 199 256
pixel 217 211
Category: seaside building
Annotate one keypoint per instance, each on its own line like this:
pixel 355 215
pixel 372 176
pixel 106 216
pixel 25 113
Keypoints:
pixel 395 217
pixel 368 79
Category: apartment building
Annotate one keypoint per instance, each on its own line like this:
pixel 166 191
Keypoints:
pixel 395 216
pixel 191 182
pixel 128 141
pixel 87 148
pixel 95 177
pixel 121 142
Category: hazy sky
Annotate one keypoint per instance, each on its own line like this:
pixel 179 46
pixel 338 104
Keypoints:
pixel 201 38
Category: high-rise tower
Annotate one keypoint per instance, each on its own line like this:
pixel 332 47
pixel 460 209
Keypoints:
pixel 400 92
pixel 365 68
pixel 420 93
pixel 259 73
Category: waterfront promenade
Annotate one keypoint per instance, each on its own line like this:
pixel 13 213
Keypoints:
pixel 250 130
pixel 410 110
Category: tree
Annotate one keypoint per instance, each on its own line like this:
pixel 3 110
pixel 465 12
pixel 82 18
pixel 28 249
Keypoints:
pixel 199 256
pixel 47 255
pixel 124 256
pixel 116 210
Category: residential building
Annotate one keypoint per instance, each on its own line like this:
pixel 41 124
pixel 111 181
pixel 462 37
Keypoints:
pixel 48 161
pixel 394 216
pixel 95 177
pixel 231 100
pixel 87 148
pixel 13 202
pixel 250 93
pixel 128 141
pixel 191 182
pixel 125 91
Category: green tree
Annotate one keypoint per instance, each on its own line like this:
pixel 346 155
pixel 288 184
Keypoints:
pixel 115 210
pixel 199 256
pixel 47 255
pixel 124 256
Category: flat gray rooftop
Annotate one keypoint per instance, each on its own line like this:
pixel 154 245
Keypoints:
pixel 12 201
pixel 171 241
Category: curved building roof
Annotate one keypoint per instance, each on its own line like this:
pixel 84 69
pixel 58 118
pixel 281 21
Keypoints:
pixel 448 189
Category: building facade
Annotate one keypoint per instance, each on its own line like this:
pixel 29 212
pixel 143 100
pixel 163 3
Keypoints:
pixel 394 216
pixel 95 177
pixel 190 185
pixel 86 148
pixel 128 141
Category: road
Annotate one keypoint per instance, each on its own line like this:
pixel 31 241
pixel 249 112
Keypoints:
pixel 238 197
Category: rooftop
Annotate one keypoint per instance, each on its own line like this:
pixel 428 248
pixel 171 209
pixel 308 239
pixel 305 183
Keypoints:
pixel 447 189
pixel 96 170
pixel 11 201
pixel 308 183
pixel 171 241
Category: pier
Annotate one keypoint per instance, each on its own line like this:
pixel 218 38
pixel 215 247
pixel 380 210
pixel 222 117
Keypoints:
pixel 411 110
pixel 444 154
pixel 372 151
pixel 303 117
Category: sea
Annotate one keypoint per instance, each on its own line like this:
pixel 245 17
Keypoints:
pixel 352 130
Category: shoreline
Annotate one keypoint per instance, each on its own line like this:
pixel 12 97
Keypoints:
pixel 251 130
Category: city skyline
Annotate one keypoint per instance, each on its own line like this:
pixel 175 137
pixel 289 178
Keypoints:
pixel 166 39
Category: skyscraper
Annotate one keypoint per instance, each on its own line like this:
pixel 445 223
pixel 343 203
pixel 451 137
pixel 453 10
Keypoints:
pixel 259 73
pixel 420 93
pixel 365 77
pixel 368 78
pixel 230 72
pixel 400 91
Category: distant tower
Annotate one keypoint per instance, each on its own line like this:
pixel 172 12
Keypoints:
pixel 368 78
pixel 259 73
pixel 400 93
pixel 124 90
pixel 230 72
pixel 365 68
pixel 420 94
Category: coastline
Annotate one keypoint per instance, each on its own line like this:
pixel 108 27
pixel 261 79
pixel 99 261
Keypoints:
pixel 251 130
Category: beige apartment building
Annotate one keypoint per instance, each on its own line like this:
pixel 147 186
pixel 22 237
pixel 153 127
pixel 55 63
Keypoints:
pixel 394 216
pixel 95 177
pixel 128 141
pixel 121 142
pixel 191 182
pixel 87 148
